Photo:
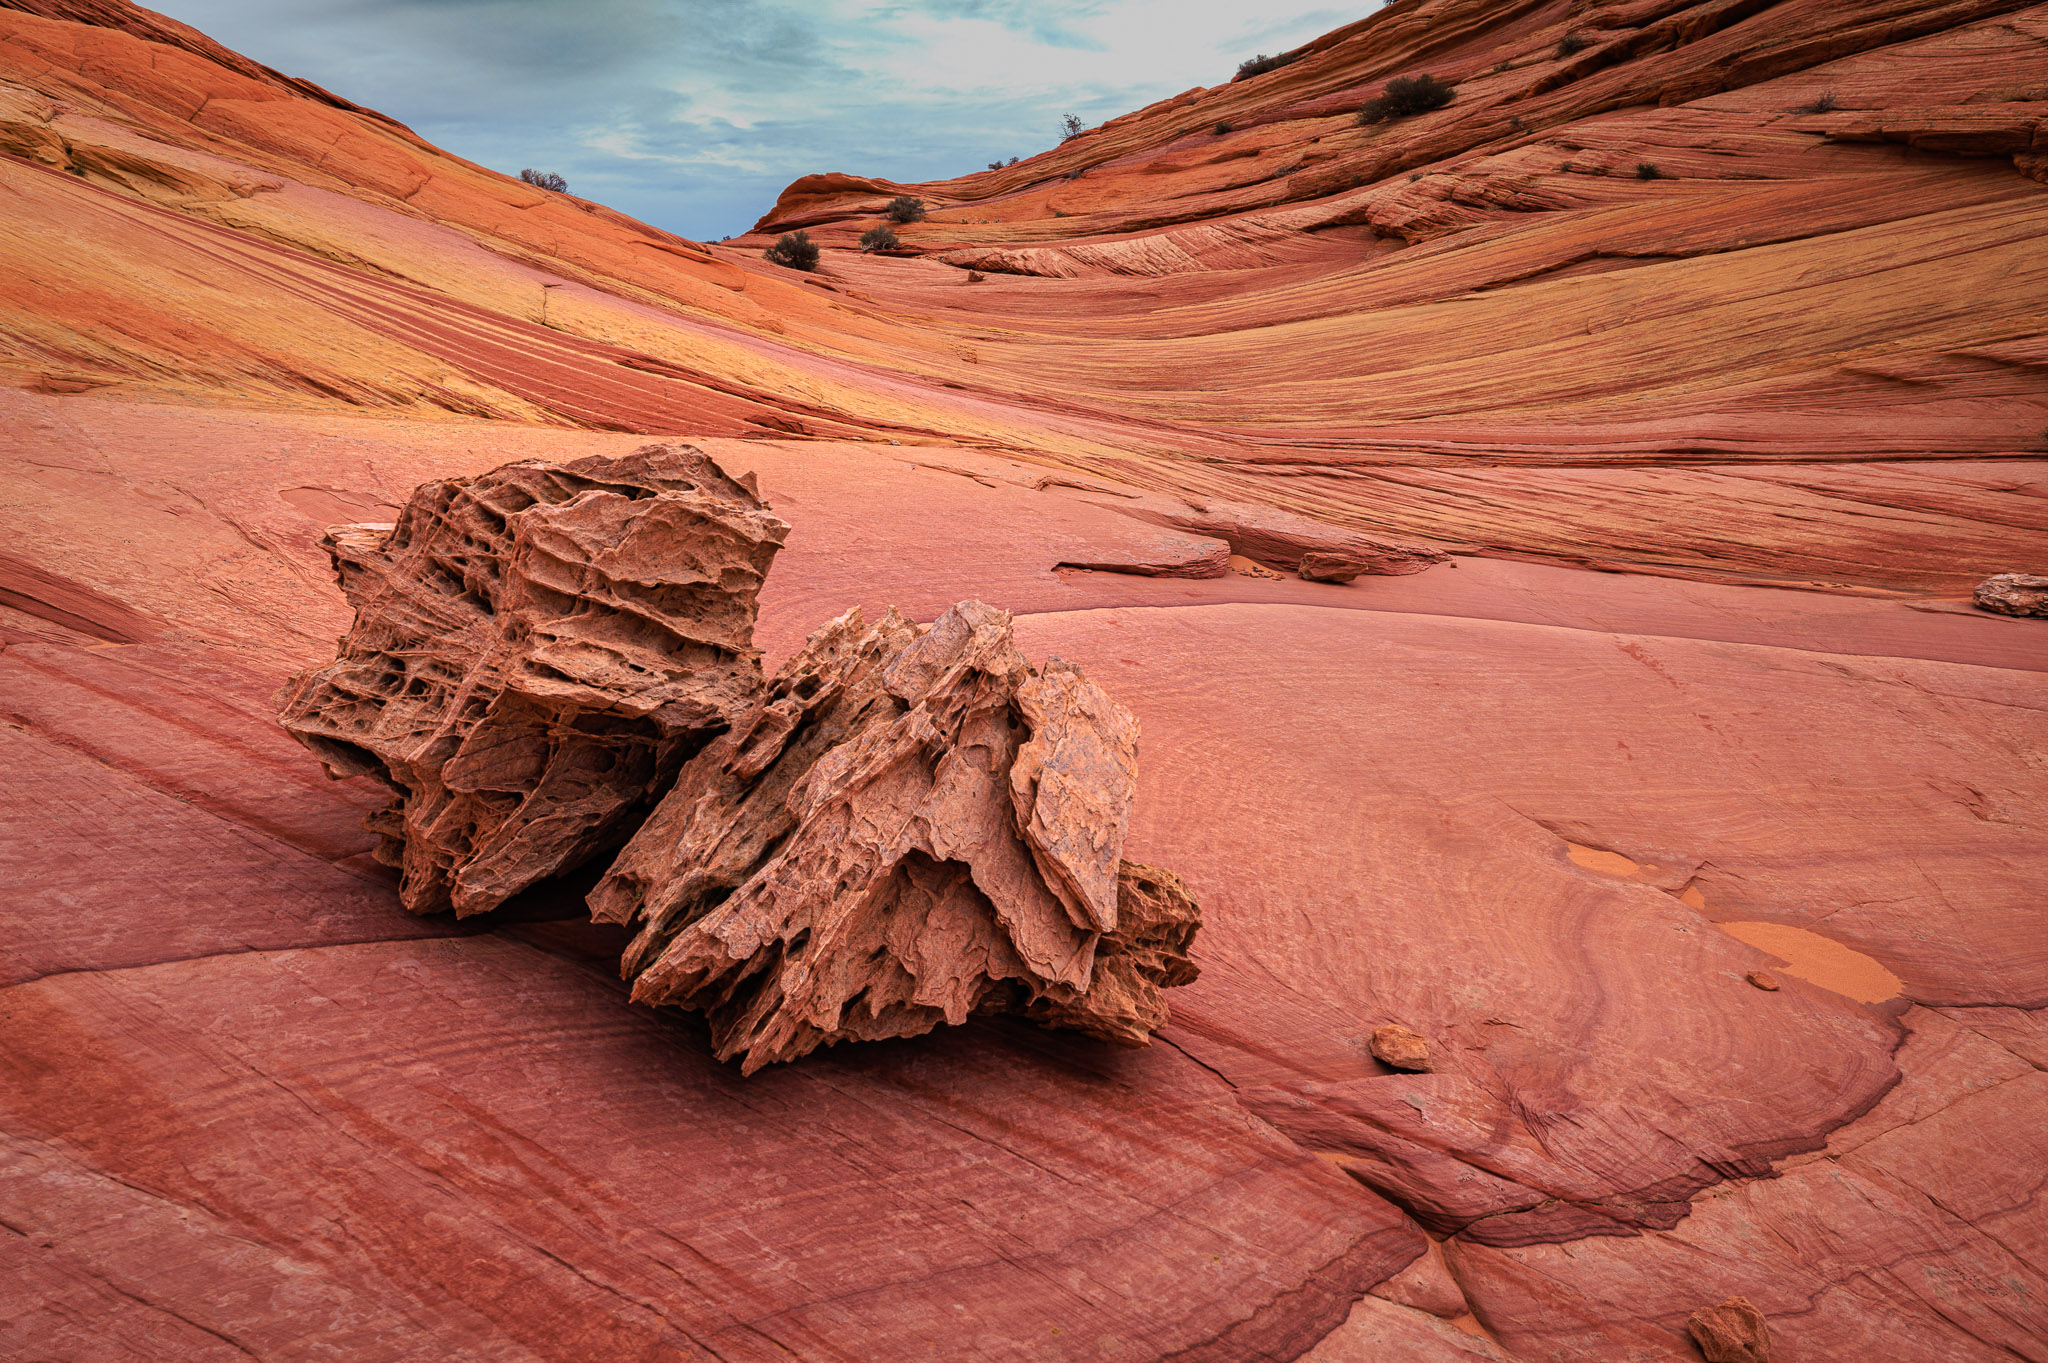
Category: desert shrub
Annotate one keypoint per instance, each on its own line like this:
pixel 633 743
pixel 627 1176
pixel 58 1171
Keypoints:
pixel 1823 105
pixel 1406 95
pixel 1012 161
pixel 1499 67
pixel 880 239
pixel 1413 176
pixel 795 250
pixel 1261 64
pixel 1573 43
pixel 1071 127
pixel 545 179
pixel 1647 170
pixel 1222 129
pixel 904 208
pixel 995 165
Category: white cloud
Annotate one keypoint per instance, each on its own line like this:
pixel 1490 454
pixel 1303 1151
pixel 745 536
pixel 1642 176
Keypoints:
pixel 693 114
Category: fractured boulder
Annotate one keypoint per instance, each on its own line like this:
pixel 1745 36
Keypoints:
pixel 2013 594
pixel 910 826
pixel 535 652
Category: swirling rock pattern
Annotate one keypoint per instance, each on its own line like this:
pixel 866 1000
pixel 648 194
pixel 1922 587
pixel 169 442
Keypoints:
pixel 535 651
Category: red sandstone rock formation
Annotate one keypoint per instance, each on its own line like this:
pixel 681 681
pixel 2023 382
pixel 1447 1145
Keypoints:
pixel 2013 594
pixel 534 653
pixel 909 827
pixel 1554 819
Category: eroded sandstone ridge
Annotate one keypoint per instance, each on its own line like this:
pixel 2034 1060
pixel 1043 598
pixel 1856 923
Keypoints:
pixel 535 651
pixel 909 826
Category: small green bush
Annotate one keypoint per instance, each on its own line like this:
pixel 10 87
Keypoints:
pixel 1647 170
pixel 545 179
pixel 1223 130
pixel 880 239
pixel 1261 64
pixel 795 251
pixel 1573 43
pixel 904 208
pixel 1405 96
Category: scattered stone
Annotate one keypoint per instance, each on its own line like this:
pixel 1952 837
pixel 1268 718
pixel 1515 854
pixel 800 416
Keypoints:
pixel 1733 1332
pixel 909 827
pixel 1395 1045
pixel 2013 594
pixel 1763 980
pixel 976 277
pixel 535 652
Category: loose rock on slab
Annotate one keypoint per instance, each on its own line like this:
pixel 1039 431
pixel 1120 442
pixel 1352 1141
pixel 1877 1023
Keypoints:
pixel 1733 1332
pixel 1395 1045
pixel 535 651
pixel 2013 594
pixel 909 827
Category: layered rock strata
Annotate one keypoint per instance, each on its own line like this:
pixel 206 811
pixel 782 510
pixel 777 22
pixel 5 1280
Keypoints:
pixel 535 652
pixel 909 826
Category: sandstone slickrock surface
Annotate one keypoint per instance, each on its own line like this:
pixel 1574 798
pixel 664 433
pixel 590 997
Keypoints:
pixel 535 651
pixel 1721 457
pixel 911 826
pixel 2013 594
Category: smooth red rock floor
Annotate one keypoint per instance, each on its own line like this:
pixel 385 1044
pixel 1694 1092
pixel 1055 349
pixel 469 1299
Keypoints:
pixel 253 1108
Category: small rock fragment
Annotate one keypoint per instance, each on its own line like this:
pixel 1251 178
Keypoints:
pixel 2014 594
pixel 1763 980
pixel 1395 1045
pixel 1733 1332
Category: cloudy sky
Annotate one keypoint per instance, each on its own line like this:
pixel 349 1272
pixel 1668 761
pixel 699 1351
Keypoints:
pixel 693 114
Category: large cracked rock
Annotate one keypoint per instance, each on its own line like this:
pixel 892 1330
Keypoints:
pixel 2013 594
pixel 535 652
pixel 909 827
